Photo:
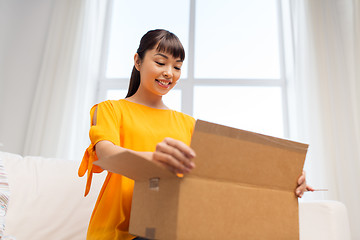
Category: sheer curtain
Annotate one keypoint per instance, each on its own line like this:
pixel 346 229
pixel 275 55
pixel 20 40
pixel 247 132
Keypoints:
pixel 327 92
pixel 67 82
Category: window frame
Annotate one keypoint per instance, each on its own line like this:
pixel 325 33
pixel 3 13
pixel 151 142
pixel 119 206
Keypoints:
pixel 187 84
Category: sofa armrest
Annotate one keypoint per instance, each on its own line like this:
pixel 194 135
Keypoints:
pixel 323 220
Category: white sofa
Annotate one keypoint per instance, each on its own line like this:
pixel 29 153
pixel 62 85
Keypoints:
pixel 47 203
pixel 47 199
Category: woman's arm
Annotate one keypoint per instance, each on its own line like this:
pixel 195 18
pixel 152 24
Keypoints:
pixel 106 149
pixel 173 154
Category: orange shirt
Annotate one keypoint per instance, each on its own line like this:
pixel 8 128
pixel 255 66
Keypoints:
pixel 132 126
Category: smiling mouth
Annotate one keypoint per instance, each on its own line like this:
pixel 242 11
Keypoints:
pixel 164 83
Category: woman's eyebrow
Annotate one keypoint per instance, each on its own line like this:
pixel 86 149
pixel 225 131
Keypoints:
pixel 164 56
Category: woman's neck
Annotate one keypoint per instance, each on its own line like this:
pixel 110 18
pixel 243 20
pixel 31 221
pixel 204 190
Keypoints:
pixel 153 101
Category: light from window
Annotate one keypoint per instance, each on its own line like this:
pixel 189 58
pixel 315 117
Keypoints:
pixel 235 42
pixel 236 39
pixel 132 19
pixel 250 108
pixel 115 94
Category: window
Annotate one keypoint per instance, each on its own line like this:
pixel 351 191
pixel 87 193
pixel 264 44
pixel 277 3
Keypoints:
pixel 233 73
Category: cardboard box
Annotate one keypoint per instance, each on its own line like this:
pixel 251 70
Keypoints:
pixel 242 188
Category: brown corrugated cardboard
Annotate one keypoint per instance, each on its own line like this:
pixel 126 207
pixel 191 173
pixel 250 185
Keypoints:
pixel 242 188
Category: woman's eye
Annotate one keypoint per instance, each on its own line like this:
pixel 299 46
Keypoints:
pixel 177 68
pixel 159 63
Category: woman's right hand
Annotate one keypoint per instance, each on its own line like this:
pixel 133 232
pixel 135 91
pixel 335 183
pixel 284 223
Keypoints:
pixel 175 155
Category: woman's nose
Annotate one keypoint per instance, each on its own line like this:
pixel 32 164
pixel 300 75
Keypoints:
pixel 168 73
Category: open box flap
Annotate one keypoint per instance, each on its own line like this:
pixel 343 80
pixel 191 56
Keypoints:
pixel 133 166
pixel 229 154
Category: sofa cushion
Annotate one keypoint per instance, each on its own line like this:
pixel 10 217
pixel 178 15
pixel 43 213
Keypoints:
pixel 47 198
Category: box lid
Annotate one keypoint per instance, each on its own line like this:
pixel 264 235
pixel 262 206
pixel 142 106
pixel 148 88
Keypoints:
pixel 134 167
pixel 228 154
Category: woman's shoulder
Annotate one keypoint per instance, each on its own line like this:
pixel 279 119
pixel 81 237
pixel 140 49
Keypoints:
pixel 109 104
pixel 105 103
pixel 106 108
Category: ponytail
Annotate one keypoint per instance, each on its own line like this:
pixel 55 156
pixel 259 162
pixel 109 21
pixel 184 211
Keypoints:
pixel 134 82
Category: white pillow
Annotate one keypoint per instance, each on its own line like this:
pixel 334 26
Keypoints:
pixel 4 197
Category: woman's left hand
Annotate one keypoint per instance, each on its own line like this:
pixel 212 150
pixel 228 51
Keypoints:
pixel 302 186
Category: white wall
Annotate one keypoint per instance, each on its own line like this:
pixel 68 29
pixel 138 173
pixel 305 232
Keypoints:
pixel 23 30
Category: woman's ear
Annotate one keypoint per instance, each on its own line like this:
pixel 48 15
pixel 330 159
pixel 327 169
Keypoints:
pixel 137 61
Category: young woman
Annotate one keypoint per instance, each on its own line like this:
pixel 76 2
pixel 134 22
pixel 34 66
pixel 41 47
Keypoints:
pixel 144 124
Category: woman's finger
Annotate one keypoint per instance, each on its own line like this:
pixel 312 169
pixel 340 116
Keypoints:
pixel 300 190
pixel 302 178
pixel 168 167
pixel 175 153
pixel 301 185
pixel 309 188
pixel 169 160
pixel 182 147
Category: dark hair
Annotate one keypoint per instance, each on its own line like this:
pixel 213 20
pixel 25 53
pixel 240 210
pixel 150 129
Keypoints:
pixel 165 41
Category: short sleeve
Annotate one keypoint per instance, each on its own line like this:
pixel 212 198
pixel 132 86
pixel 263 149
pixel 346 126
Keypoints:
pixel 107 127
pixel 191 123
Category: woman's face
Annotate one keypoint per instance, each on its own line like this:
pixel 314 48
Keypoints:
pixel 159 71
